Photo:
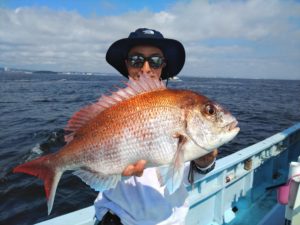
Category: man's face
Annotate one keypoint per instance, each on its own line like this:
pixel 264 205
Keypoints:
pixel 145 69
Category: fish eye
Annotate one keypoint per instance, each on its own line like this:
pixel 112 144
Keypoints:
pixel 210 109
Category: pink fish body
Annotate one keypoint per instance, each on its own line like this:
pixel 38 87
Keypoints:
pixel 146 121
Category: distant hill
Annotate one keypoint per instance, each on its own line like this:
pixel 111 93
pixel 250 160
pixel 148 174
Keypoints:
pixel 13 70
pixel 45 71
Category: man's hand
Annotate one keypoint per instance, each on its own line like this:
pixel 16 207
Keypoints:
pixel 206 160
pixel 136 169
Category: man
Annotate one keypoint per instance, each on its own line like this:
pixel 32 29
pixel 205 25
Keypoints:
pixel 140 199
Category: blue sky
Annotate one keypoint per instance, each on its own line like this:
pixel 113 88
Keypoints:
pixel 256 39
pixel 93 7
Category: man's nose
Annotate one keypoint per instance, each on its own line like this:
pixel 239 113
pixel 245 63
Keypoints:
pixel 146 68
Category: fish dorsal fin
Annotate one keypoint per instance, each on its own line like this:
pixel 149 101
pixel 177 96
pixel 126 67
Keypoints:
pixel 133 88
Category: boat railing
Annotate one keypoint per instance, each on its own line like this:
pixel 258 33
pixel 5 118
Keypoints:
pixel 241 178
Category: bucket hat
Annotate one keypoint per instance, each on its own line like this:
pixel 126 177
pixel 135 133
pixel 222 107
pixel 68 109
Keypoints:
pixel 173 51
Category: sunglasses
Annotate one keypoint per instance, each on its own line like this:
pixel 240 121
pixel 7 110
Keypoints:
pixel 137 61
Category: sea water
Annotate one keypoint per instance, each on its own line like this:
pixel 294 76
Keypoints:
pixel 34 109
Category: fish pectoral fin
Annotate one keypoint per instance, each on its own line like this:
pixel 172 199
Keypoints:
pixel 172 176
pixel 97 181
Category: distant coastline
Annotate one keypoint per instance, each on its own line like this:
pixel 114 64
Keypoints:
pixel 45 72
pixel 25 71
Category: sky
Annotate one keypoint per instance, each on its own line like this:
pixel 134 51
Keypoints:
pixel 230 38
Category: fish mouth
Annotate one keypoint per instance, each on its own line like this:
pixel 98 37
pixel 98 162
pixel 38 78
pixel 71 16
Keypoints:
pixel 232 126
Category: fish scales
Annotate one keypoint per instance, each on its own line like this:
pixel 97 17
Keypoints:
pixel 122 138
pixel 146 121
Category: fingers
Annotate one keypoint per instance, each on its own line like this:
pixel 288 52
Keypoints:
pixel 214 153
pixel 206 160
pixel 139 168
pixel 128 171
pixel 136 169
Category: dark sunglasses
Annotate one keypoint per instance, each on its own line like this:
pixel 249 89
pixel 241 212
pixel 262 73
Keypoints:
pixel 137 61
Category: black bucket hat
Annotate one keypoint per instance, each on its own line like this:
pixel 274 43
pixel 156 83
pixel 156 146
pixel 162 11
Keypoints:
pixel 173 51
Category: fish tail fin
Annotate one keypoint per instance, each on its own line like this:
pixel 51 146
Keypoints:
pixel 45 170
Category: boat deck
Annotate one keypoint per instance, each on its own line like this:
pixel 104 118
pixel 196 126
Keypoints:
pixel 258 212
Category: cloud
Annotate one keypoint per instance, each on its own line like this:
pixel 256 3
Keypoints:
pixel 258 38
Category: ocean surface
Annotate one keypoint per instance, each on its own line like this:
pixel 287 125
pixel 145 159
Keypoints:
pixel 34 109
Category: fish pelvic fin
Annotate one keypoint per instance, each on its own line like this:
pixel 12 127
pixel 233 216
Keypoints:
pixel 172 175
pixel 87 113
pixel 96 180
pixel 43 169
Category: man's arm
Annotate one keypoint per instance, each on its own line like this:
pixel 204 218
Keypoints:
pixel 206 163
pixel 202 165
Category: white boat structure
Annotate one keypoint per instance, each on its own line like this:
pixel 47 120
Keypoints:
pixel 175 79
pixel 240 190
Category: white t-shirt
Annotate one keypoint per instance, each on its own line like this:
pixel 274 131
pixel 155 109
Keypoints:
pixel 141 201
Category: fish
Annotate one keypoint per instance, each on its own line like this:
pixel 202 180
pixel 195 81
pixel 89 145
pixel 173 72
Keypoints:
pixel 143 120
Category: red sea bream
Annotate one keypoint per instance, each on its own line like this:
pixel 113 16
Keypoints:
pixel 146 121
